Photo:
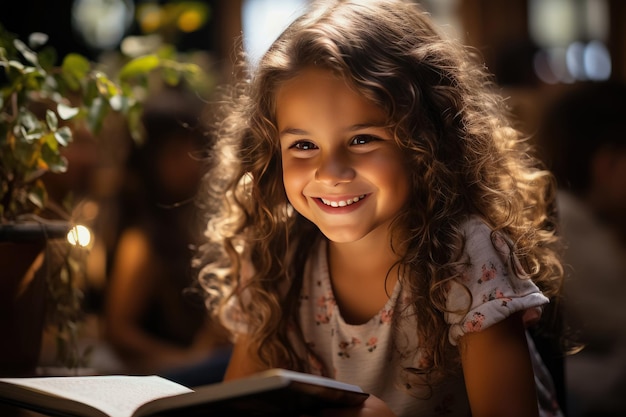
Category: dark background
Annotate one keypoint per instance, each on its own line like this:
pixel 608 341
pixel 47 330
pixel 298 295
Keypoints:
pixel 53 17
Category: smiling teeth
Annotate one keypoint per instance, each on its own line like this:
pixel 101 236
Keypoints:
pixel 342 203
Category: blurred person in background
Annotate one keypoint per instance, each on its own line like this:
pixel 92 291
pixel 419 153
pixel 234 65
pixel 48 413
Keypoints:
pixel 584 134
pixel 153 321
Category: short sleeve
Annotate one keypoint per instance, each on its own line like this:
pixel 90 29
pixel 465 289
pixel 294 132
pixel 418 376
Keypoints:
pixel 492 284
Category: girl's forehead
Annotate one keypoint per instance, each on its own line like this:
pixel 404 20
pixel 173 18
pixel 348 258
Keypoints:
pixel 321 93
pixel 316 82
pixel 311 73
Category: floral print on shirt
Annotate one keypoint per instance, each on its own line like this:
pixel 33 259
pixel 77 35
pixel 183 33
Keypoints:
pixel 371 343
pixel 491 283
pixel 475 323
pixel 324 304
pixel 385 316
pixel 489 273
pixel 346 346
pixel 496 294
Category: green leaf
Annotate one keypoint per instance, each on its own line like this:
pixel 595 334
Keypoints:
pixel 50 141
pixel 26 52
pixel 28 120
pixel 167 51
pixel 76 65
pixel 75 68
pixel 63 136
pixel 33 78
pixel 38 195
pixel 106 87
pixel 90 92
pixel 96 114
pixel 119 102
pixel 51 120
pixel 51 157
pixel 66 112
pixel 47 58
pixel 171 76
pixel 139 66
pixel 16 64
pixel 135 126
pixel 29 136
pixel 37 39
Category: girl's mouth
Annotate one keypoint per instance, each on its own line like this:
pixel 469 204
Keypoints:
pixel 341 203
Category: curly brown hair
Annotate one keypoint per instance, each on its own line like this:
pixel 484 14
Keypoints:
pixel 449 120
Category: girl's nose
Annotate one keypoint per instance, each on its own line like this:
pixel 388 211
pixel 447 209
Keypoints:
pixel 334 169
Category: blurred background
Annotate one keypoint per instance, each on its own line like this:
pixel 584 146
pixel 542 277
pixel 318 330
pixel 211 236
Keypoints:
pixel 560 63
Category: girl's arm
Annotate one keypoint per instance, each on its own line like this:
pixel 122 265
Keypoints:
pixel 372 407
pixel 498 371
pixel 242 363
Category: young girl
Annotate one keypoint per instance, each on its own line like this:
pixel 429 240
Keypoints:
pixel 376 219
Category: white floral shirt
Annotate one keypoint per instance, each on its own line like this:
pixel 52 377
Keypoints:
pixel 374 355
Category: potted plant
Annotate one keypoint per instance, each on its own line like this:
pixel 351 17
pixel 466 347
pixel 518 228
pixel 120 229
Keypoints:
pixel 41 106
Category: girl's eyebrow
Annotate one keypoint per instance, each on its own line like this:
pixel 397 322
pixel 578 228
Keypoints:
pixel 301 132
pixel 365 126
pixel 293 131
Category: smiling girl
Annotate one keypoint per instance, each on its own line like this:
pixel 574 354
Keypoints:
pixel 375 219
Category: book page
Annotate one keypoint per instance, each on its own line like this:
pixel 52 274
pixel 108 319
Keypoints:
pixel 267 393
pixel 116 395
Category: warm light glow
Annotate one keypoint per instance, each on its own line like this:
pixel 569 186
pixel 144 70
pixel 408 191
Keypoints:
pixel 102 24
pixel 572 37
pixel 150 18
pixel 263 21
pixel 577 62
pixel 189 21
pixel 79 235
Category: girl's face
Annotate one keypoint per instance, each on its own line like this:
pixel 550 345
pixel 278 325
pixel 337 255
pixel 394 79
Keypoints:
pixel 342 169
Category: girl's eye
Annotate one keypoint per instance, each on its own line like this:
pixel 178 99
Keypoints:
pixel 304 145
pixel 363 139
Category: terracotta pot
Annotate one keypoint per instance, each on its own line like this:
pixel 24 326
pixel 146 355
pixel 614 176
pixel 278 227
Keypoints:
pixel 22 295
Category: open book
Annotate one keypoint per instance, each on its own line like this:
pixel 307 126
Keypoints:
pixel 275 392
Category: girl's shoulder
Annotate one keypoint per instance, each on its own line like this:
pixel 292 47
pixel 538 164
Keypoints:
pixel 474 223
pixel 484 243
pixel 476 229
